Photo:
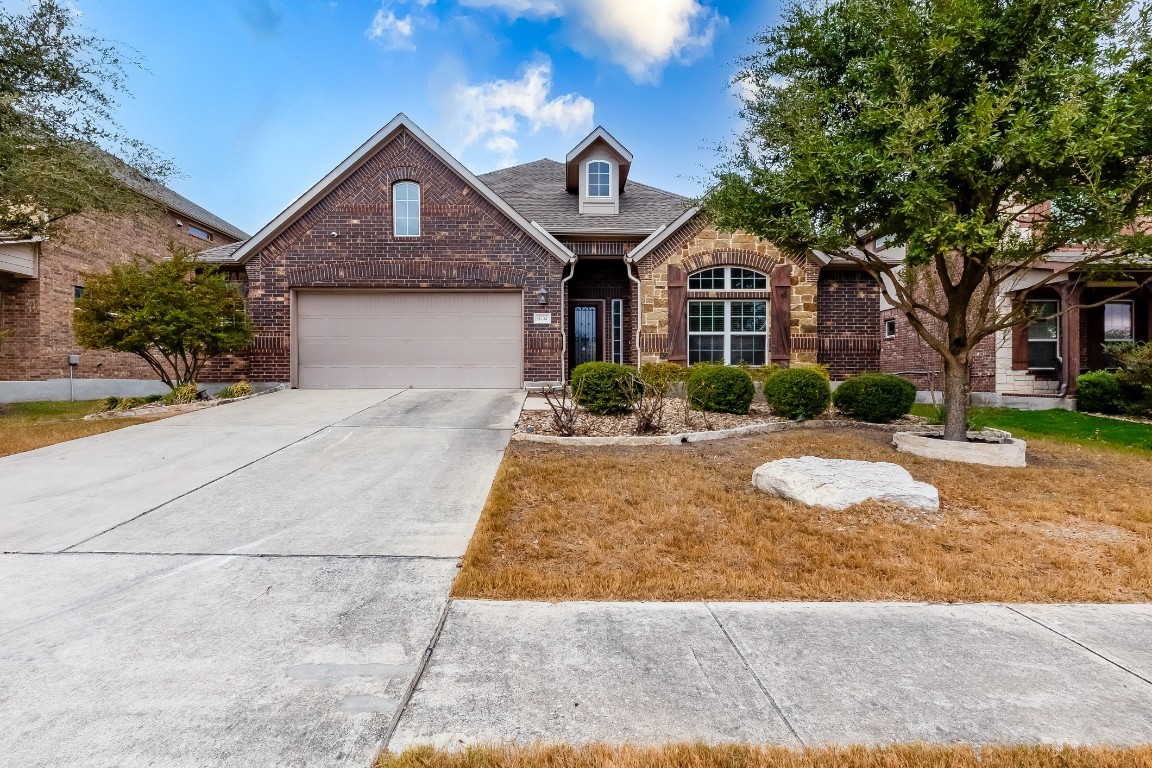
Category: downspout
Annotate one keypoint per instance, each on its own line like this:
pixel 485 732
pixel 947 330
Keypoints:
pixel 563 318
pixel 629 260
pixel 639 307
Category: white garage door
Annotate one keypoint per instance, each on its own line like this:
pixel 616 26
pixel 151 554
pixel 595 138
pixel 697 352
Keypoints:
pixel 361 340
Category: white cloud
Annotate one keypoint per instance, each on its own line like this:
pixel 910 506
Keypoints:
pixel 643 36
pixel 493 113
pixel 394 32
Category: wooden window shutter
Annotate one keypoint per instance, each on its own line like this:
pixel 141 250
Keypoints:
pixel 780 312
pixel 1019 343
pixel 677 315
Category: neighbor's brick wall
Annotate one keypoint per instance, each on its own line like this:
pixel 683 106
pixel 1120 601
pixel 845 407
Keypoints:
pixel 465 243
pixel 907 352
pixel 848 315
pixel 695 244
pixel 37 312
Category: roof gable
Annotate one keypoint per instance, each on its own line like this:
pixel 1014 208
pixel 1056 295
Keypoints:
pixel 345 169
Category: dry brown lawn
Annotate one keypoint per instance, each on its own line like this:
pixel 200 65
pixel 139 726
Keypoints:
pixel 685 523
pixel 740 756
pixel 27 426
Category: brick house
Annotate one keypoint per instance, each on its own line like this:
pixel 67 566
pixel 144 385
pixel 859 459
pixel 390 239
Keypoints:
pixel 1036 364
pixel 40 280
pixel 403 268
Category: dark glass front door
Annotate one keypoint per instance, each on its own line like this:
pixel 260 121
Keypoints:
pixel 585 334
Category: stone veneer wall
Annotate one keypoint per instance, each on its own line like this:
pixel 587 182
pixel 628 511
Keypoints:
pixel 696 246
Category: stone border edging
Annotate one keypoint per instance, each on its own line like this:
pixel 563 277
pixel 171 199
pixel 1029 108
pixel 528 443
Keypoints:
pixel 716 434
pixel 175 410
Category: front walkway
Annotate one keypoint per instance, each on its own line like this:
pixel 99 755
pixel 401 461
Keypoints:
pixel 785 673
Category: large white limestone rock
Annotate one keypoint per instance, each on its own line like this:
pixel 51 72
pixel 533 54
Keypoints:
pixel 840 483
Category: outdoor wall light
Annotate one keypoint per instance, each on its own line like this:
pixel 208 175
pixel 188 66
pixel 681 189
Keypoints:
pixel 542 296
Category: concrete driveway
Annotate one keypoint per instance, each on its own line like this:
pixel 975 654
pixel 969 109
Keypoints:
pixel 253 584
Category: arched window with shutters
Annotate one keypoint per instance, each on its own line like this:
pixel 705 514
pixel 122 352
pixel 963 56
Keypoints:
pixel 728 328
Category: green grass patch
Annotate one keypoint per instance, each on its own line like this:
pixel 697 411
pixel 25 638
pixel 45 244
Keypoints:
pixel 1057 424
pixel 49 410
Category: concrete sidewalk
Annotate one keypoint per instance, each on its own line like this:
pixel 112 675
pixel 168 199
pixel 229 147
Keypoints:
pixel 785 673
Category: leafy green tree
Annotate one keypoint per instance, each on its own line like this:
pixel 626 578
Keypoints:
pixel 979 136
pixel 60 146
pixel 175 314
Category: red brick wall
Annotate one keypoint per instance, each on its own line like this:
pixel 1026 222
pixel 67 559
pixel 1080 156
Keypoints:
pixel 907 352
pixel 848 318
pixel 465 242
pixel 37 312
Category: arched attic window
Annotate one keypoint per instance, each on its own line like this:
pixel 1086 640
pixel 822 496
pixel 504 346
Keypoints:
pixel 406 209
pixel 599 179
pixel 732 330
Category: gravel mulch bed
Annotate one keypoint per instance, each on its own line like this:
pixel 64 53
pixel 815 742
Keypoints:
pixel 676 421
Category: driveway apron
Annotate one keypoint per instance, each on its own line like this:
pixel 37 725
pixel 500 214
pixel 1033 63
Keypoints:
pixel 252 584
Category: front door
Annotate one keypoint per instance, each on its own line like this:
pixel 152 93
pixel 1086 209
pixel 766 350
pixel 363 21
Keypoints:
pixel 585 333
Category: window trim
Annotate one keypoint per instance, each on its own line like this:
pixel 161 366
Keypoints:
pixel 588 179
pixel 1056 341
pixel 1131 322
pixel 407 218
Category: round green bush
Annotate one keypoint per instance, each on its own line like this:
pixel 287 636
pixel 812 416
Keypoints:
pixel 1099 392
pixel 875 397
pixel 798 392
pixel 599 387
pixel 720 389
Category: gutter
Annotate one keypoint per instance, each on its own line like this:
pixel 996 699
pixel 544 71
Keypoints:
pixel 563 319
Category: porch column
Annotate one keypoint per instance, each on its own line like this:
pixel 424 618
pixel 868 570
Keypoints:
pixel 1070 335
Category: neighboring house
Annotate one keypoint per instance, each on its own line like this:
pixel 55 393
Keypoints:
pixel 402 268
pixel 1036 364
pixel 40 280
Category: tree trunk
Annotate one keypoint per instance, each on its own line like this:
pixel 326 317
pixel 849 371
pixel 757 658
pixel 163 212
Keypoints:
pixel 956 400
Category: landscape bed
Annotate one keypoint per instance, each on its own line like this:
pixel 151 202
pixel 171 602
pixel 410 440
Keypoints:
pixel 685 523
pixel 743 756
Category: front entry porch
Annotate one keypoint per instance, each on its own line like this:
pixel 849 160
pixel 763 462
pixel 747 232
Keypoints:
pixel 600 319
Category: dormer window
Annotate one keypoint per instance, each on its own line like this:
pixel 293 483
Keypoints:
pixel 599 179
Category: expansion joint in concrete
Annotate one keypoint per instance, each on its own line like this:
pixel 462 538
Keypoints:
pixel 406 699
pixel 760 683
pixel 1074 641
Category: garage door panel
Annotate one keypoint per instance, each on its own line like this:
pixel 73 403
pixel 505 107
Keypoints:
pixel 430 339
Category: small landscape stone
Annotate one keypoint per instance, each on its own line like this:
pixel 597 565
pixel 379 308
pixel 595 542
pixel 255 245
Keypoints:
pixel 840 483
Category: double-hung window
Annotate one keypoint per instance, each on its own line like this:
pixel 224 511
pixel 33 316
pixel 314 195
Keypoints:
pixel 732 329
pixel 1043 335
pixel 406 209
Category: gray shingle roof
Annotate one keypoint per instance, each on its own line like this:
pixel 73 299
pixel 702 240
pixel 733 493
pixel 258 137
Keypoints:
pixel 180 204
pixel 221 254
pixel 536 191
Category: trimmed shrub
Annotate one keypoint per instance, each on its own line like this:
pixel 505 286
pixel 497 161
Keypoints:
pixel 185 393
pixel 720 389
pixel 875 397
pixel 239 389
pixel 661 378
pixel 798 393
pixel 1099 392
pixel 763 373
pixel 601 387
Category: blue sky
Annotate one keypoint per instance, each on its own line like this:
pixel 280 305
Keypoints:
pixel 255 100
